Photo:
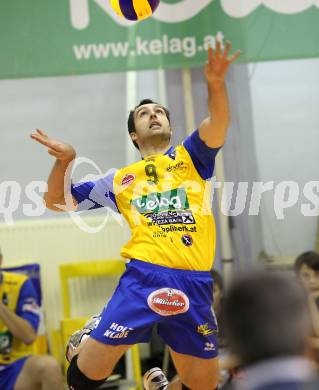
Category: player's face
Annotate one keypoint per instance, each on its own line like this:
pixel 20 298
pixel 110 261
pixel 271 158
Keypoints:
pixel 309 278
pixel 151 124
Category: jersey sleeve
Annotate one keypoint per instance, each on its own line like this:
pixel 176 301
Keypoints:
pixel 203 156
pixel 92 195
pixel 27 306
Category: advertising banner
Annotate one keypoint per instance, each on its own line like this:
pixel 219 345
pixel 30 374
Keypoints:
pixel 68 37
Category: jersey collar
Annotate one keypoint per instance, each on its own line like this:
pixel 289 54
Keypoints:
pixel 168 152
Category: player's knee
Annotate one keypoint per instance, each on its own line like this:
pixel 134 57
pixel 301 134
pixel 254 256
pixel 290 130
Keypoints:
pixel 51 366
pixel 78 381
pixel 44 366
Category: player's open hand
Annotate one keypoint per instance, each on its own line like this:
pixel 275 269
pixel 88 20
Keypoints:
pixel 59 150
pixel 218 63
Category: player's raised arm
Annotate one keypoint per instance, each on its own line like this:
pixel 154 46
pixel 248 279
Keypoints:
pixel 214 128
pixel 64 155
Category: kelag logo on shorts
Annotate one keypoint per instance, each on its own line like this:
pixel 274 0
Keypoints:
pixel 168 302
pixel 162 201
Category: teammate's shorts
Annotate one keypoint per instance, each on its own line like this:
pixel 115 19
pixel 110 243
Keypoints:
pixel 179 301
pixel 9 374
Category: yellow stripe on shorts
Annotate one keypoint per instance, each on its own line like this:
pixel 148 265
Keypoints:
pixel 142 8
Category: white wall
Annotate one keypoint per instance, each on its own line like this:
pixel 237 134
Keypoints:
pixel 87 111
pixel 285 102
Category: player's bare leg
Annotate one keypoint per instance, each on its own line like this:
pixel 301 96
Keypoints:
pixel 40 373
pixel 196 373
pixel 175 384
pixel 97 360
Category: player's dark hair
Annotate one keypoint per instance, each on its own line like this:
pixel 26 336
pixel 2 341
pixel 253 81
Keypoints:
pixel 131 122
pixel 310 259
pixel 266 316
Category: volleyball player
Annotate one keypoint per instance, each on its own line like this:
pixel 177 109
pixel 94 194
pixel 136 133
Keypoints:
pixel 165 199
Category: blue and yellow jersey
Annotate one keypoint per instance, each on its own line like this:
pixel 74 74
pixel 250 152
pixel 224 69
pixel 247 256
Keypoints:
pixel 18 294
pixel 166 201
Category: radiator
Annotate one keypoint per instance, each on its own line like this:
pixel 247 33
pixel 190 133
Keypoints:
pixel 54 241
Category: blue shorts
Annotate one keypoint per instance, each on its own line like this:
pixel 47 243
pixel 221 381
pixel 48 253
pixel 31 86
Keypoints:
pixel 179 301
pixel 9 374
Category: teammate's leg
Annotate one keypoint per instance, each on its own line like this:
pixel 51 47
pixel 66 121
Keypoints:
pixel 40 372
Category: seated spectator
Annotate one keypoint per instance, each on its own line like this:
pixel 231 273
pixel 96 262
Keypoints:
pixel 307 269
pixel 267 325
pixel 19 320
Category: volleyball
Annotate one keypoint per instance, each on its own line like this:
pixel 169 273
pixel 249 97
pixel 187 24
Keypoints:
pixel 135 9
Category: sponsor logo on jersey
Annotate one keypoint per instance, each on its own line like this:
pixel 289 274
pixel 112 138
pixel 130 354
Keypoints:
pixel 5 342
pixel 117 331
pixel 30 305
pixel 205 330
pixel 187 240
pixel 172 155
pixel 168 302
pixel 173 228
pixel 128 179
pixel 162 201
pixel 5 299
pixel 177 167
pixel 150 159
pixel 159 234
pixel 171 218
pixel 209 347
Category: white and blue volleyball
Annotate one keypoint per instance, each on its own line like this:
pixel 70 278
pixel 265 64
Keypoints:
pixel 134 9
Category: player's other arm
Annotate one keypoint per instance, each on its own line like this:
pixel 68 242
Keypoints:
pixel 24 323
pixel 214 128
pixel 20 328
pixel 62 195
pixel 58 197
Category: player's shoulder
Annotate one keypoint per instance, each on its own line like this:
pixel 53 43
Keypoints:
pixel 181 153
pixel 131 167
pixel 14 278
pixel 128 170
pixel 180 150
